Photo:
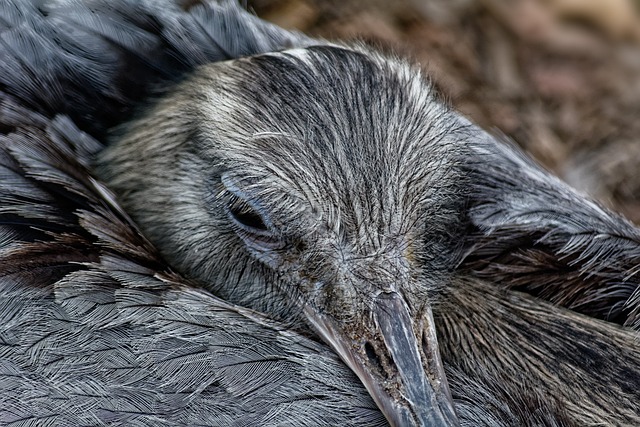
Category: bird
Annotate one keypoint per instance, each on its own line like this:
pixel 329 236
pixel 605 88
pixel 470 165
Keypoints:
pixel 271 210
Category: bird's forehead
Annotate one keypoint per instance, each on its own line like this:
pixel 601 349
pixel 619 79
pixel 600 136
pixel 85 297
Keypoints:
pixel 331 109
pixel 350 129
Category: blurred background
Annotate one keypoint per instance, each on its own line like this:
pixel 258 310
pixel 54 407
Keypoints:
pixel 559 77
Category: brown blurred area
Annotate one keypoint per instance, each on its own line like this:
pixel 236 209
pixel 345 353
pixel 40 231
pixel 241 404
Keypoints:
pixel 560 77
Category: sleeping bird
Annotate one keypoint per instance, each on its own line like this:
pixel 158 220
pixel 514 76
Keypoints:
pixel 208 220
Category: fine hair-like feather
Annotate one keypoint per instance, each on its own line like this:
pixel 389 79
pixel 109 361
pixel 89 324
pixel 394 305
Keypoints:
pixel 92 315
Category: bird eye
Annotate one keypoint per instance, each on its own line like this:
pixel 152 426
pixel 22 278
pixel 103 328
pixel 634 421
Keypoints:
pixel 249 223
pixel 252 229
pixel 245 216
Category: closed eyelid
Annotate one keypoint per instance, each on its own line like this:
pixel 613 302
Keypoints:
pixel 242 198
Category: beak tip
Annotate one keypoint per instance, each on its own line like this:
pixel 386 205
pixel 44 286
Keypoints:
pixel 415 398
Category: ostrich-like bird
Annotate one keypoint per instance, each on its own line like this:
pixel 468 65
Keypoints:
pixel 301 235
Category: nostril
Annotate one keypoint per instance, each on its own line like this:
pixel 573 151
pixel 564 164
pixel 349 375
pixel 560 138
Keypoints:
pixel 373 358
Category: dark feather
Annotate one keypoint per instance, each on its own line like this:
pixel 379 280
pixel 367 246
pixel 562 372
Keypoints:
pixel 534 233
pixel 96 327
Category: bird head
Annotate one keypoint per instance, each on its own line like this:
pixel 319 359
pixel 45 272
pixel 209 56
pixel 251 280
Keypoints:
pixel 321 185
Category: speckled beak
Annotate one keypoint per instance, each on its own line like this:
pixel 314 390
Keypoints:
pixel 397 361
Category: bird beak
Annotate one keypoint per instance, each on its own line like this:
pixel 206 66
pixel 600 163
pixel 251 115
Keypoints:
pixel 403 373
